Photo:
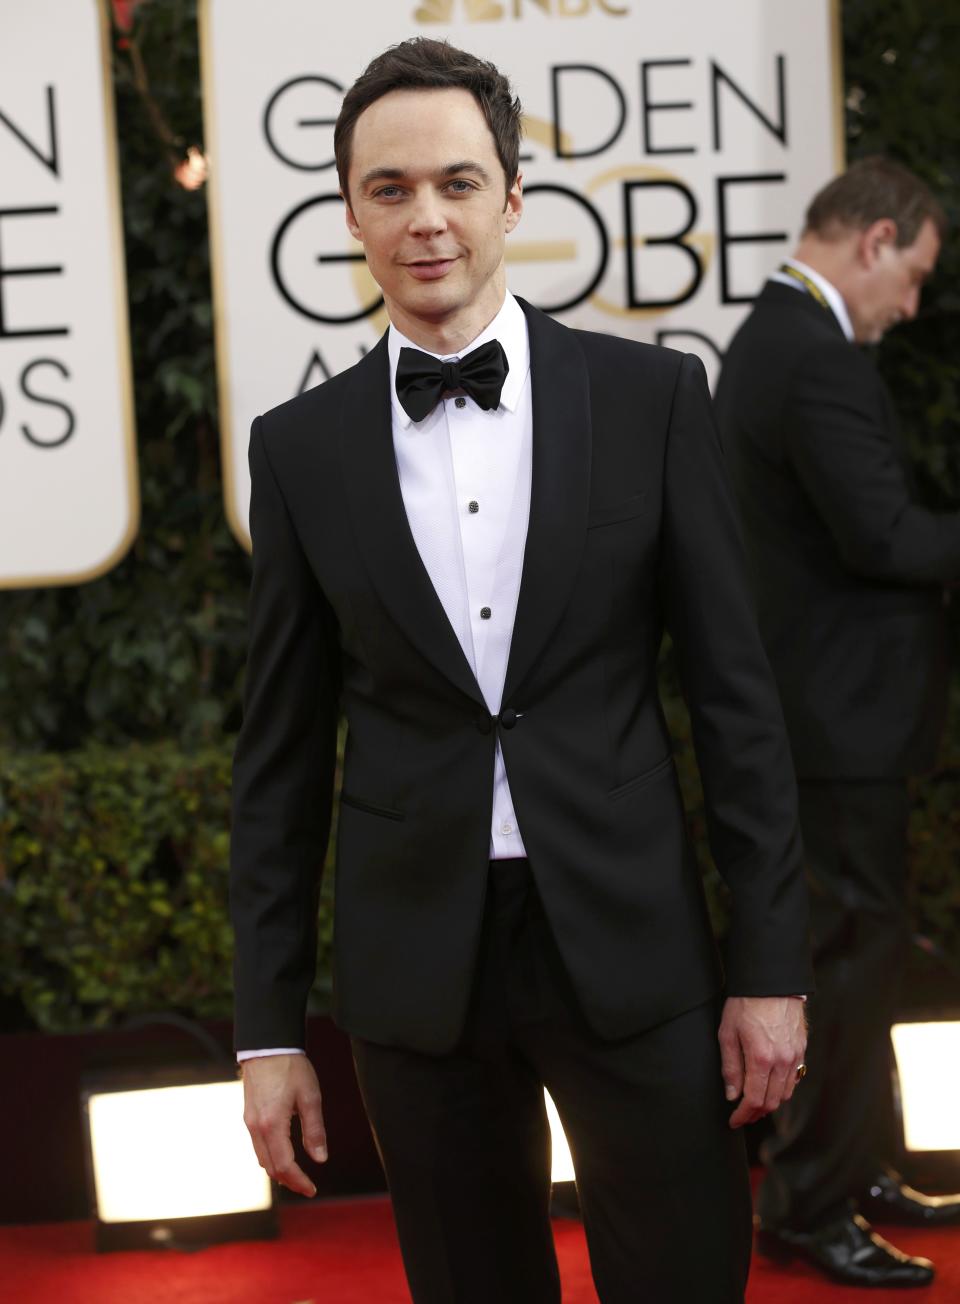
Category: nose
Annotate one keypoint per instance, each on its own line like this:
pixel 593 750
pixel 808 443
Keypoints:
pixel 426 214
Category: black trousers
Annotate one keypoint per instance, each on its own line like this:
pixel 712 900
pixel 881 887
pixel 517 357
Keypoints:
pixel 827 1145
pixel 465 1142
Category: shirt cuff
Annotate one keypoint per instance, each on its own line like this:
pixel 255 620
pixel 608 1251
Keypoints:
pixel 274 1050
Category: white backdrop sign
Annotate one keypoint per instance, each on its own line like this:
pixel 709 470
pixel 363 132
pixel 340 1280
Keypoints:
pixel 670 152
pixel 68 485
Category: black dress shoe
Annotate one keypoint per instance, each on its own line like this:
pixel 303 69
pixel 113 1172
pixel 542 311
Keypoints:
pixel 887 1200
pixel 848 1251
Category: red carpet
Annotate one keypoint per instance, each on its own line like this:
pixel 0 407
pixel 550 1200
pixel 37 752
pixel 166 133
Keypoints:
pixel 345 1252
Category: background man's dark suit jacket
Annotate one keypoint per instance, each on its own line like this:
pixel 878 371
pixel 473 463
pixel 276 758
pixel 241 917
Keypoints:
pixel 632 525
pixel 849 571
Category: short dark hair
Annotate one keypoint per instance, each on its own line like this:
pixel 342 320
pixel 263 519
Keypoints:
pixel 422 63
pixel 872 189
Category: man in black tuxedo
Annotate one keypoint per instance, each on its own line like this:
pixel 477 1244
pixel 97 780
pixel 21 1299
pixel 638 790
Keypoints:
pixel 849 573
pixel 470 544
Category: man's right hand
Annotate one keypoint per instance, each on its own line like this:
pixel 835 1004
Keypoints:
pixel 275 1087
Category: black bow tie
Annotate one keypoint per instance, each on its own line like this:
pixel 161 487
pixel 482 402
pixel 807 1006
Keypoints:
pixel 422 379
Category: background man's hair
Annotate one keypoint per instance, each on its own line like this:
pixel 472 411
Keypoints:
pixel 425 64
pixel 871 189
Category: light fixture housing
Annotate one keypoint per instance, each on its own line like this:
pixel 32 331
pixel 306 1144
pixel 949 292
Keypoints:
pixel 169 1161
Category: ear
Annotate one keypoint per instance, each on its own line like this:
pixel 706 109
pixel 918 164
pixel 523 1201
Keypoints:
pixel 875 239
pixel 351 221
pixel 514 206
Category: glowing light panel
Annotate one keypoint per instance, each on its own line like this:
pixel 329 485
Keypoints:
pixel 174 1152
pixel 562 1166
pixel 928 1064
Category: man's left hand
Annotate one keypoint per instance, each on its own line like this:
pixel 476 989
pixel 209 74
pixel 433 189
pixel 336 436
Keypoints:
pixel 762 1042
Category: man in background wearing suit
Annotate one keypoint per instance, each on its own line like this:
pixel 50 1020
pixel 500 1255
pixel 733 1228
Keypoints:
pixel 470 544
pixel 849 573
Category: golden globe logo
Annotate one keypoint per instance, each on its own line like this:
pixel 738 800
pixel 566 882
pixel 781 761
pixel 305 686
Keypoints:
pixel 495 11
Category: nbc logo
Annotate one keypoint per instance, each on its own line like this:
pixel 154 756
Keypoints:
pixel 495 11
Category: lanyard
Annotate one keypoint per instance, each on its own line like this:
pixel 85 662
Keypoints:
pixel 810 286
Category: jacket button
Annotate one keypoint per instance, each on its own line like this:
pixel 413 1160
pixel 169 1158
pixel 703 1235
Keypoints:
pixel 508 718
pixel 484 724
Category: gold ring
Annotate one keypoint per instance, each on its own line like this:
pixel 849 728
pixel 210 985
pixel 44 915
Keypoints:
pixel 801 1072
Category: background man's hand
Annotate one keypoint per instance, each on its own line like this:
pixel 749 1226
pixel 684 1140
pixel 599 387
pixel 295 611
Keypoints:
pixel 762 1041
pixel 275 1087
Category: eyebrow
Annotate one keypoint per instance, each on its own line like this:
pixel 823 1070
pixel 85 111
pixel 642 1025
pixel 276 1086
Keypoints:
pixel 449 170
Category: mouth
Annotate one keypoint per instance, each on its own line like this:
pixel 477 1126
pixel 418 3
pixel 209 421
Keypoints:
pixel 430 269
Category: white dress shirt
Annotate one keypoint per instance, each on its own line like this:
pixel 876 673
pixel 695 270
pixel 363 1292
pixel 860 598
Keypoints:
pixel 465 478
pixel 826 288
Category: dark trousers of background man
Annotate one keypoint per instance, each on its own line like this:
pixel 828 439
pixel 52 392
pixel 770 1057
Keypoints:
pixel 828 1137
pixel 465 1141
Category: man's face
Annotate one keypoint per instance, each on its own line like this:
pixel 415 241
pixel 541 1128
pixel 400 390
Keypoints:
pixel 888 290
pixel 427 200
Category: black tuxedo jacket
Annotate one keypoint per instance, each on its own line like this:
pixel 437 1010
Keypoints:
pixel 632 526
pixel 849 569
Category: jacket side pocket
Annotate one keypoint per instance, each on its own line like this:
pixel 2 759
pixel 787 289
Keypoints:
pixel 369 807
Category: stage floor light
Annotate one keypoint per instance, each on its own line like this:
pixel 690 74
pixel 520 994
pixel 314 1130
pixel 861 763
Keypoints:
pixel 561 1168
pixel 170 1161
pixel 928 1068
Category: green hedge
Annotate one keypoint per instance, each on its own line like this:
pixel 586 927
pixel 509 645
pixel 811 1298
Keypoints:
pixel 113 879
pixel 113 885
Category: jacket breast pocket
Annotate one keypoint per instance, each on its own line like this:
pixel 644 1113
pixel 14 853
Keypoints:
pixel 641 780
pixel 622 511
